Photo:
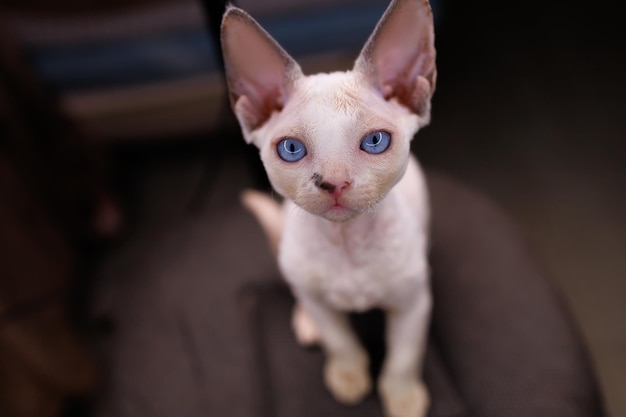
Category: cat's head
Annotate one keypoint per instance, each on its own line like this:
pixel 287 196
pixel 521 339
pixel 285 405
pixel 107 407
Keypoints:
pixel 334 143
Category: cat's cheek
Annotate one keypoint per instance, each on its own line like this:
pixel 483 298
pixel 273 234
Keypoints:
pixel 284 188
pixel 388 172
pixel 311 202
pixel 285 180
pixel 275 172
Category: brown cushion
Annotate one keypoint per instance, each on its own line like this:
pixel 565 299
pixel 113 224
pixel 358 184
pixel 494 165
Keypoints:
pixel 202 325
pixel 503 330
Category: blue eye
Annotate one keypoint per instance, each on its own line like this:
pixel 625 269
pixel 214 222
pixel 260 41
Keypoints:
pixel 291 150
pixel 376 142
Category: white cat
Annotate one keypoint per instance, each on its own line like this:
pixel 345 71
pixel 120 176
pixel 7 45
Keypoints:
pixel 352 233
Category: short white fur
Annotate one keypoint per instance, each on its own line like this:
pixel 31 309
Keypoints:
pixel 352 233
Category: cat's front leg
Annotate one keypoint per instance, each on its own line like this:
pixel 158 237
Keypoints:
pixel 306 330
pixel 401 388
pixel 346 372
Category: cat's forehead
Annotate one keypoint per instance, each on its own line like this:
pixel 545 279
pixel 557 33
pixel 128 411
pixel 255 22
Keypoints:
pixel 336 106
pixel 342 92
pixel 328 104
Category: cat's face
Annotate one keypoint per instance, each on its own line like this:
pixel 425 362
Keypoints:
pixel 337 147
pixel 334 143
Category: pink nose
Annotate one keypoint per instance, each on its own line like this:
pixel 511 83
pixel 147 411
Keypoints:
pixel 334 188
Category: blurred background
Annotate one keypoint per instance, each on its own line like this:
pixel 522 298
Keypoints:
pixel 115 132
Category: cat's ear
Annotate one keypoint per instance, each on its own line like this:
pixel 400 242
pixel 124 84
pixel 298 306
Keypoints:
pixel 260 74
pixel 399 57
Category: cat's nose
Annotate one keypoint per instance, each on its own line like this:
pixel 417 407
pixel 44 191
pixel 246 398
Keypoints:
pixel 334 188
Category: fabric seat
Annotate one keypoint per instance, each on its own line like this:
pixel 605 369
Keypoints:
pixel 202 325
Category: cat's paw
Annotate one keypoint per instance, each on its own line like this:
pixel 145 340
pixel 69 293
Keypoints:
pixel 306 330
pixel 404 397
pixel 348 379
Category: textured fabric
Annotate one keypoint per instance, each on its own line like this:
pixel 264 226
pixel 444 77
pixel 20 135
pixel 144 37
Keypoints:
pixel 505 335
pixel 201 326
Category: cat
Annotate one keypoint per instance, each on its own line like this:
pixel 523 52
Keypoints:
pixel 352 233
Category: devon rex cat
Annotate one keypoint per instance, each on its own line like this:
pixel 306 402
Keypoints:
pixel 352 232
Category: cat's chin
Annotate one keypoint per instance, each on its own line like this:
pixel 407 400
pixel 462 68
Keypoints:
pixel 339 214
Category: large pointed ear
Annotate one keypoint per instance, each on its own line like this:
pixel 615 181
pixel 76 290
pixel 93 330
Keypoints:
pixel 260 74
pixel 399 57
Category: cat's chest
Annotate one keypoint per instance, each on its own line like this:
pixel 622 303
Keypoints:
pixel 356 266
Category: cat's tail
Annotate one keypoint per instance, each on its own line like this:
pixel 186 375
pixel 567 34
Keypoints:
pixel 268 213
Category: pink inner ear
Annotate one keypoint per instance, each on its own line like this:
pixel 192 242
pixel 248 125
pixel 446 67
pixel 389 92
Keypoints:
pixel 259 71
pixel 400 56
pixel 401 52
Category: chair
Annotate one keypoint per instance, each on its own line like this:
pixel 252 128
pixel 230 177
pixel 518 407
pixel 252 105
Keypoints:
pixel 202 325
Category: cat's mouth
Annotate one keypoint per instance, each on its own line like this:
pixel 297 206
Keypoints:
pixel 340 203
pixel 335 209
pixel 339 211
